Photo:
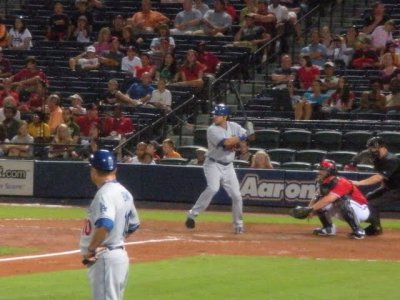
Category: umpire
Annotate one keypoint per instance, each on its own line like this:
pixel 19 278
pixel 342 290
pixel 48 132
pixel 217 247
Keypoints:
pixel 387 166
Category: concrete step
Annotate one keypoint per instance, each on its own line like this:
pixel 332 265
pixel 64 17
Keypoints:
pixel 231 99
pixel 203 119
pixel 247 88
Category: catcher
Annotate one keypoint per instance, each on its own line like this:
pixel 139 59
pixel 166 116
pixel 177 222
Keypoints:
pixel 338 198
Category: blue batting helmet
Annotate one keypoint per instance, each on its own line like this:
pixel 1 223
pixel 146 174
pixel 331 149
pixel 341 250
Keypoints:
pixel 103 160
pixel 221 110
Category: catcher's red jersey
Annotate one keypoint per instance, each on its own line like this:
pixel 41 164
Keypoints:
pixel 345 187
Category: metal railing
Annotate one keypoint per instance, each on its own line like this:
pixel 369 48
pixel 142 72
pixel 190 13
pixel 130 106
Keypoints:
pixel 162 122
pixel 256 54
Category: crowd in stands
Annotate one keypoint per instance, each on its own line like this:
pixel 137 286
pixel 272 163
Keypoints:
pixel 145 46
pixel 321 84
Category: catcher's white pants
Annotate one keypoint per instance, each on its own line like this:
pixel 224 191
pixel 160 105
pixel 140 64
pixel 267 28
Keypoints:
pixel 217 175
pixel 360 211
pixel 109 275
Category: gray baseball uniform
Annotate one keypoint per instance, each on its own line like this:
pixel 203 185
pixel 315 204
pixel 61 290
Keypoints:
pixel 218 169
pixel 113 208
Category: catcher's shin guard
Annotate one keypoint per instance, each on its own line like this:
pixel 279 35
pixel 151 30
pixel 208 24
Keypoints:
pixel 348 214
pixel 325 218
pixel 328 228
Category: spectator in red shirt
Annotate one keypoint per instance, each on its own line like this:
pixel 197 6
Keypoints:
pixel 117 124
pixel 5 65
pixel 147 66
pixel 30 80
pixel 307 72
pixel 208 59
pixel 230 9
pixel 192 71
pixel 86 122
pixel 6 92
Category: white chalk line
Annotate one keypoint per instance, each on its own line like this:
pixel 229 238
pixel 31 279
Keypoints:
pixel 153 241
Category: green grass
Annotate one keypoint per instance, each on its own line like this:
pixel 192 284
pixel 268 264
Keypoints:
pixel 77 213
pixel 7 250
pixel 225 277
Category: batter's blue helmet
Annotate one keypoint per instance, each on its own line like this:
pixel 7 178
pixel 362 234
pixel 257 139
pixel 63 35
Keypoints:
pixel 221 110
pixel 103 160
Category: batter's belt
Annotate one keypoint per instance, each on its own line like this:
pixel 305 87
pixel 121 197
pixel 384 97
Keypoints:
pixel 219 162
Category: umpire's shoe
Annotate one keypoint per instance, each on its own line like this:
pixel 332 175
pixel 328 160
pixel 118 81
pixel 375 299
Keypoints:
pixel 372 230
pixel 325 231
pixel 190 223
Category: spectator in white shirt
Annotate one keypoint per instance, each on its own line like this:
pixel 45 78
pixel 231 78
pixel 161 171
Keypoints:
pixel 161 97
pixel 131 60
pixel 20 38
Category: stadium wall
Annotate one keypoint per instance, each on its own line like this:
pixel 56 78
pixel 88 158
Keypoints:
pixel 277 188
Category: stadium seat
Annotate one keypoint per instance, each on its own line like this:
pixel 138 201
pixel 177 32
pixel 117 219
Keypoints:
pixel 281 155
pixel 200 137
pixel 297 139
pixel 238 163
pixel 392 140
pixel 296 165
pixel 355 140
pixel 275 164
pixel 172 161
pixel 311 156
pixel 328 140
pixel 266 138
pixel 365 168
pixel 341 157
pixel 253 150
pixel 188 151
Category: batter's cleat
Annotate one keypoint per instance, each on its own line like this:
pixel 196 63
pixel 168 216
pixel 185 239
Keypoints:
pixel 358 234
pixel 325 231
pixel 372 230
pixel 190 223
pixel 239 230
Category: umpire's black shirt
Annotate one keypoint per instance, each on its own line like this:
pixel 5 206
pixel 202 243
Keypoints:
pixel 389 167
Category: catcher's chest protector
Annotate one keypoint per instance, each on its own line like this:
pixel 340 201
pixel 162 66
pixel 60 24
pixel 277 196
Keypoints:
pixel 328 186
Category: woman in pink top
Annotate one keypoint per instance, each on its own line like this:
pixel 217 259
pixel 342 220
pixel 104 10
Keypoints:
pixel 103 40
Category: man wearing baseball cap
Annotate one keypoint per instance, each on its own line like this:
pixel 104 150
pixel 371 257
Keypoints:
pixel 222 136
pixel 387 166
pixel 111 218
pixel 87 60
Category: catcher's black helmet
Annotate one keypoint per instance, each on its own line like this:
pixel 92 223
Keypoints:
pixel 375 142
pixel 328 165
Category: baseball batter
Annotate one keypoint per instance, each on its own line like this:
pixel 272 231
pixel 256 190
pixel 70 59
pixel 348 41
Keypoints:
pixel 110 218
pixel 222 136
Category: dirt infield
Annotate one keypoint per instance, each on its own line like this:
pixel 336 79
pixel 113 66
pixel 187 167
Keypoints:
pixel 163 240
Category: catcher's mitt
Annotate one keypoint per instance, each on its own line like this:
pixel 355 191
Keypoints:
pixel 300 212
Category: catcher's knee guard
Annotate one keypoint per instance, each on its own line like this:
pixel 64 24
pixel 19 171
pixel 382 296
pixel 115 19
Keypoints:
pixel 348 214
pixel 325 218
